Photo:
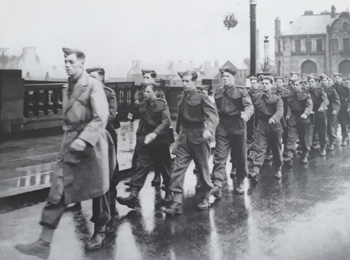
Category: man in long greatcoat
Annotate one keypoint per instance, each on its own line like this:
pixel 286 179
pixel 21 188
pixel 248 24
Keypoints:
pixel 87 153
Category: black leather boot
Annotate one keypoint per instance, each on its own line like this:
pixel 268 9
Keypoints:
pixel 156 180
pixel 240 187
pixel 345 141
pixel 217 192
pixel 278 173
pixel 39 248
pixel 305 157
pixel 131 201
pixel 205 204
pixel 168 197
pixel 330 147
pixel 176 206
pixel 97 239
pixel 173 209
pixel 289 158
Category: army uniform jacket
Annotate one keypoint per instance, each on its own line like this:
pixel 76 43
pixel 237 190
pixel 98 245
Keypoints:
pixel 319 100
pixel 282 92
pixel 344 95
pixel 155 117
pixel 334 100
pixel 112 104
pixel 268 105
pixel 252 91
pixel 299 102
pixel 231 101
pixel 196 113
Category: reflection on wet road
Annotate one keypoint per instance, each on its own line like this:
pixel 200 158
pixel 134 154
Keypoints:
pixel 303 216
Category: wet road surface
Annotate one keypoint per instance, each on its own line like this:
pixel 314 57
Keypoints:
pixel 306 215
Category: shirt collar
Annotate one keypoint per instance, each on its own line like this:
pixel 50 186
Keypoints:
pixel 152 102
pixel 266 93
pixel 190 92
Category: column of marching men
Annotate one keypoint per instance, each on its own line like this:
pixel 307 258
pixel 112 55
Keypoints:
pixel 272 120
pixel 279 120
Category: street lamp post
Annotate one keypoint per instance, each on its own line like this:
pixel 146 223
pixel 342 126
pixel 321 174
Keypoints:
pixel 266 66
pixel 252 37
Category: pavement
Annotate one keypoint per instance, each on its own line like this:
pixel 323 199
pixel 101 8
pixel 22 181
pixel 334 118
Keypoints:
pixel 27 164
pixel 304 216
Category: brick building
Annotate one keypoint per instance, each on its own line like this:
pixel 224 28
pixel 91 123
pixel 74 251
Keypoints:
pixel 314 44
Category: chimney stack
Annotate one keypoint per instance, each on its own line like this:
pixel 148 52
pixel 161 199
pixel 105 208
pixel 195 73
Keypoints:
pixel 333 11
pixel 216 64
pixel 277 26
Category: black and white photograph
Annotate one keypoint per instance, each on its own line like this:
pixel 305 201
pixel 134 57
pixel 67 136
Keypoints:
pixel 174 130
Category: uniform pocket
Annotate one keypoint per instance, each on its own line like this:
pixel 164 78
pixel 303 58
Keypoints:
pixel 218 100
pixel 291 121
pixel 276 127
pixel 195 109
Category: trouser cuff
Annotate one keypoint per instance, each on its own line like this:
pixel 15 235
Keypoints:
pixel 256 168
pixel 178 197
pixel 218 182
pixel 134 192
pixel 47 234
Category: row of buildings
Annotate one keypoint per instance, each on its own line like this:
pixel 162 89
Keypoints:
pixel 206 71
pixel 314 44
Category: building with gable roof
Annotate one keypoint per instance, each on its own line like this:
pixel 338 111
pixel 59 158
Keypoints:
pixel 314 44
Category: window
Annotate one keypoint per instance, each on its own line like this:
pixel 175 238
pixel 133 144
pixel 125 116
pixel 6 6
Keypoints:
pixel 345 26
pixel 297 46
pixel 308 67
pixel 344 69
pixel 346 45
pixel 319 46
pixel 334 45
pixel 279 49
pixel 308 46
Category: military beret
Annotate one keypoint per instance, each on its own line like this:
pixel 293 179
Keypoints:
pixel 99 69
pixel 293 72
pixel 253 78
pixel 188 73
pixel 323 76
pixel 312 77
pixel 68 51
pixel 270 78
pixel 152 72
pixel 228 70
pixel 337 74
pixel 279 77
pixel 149 83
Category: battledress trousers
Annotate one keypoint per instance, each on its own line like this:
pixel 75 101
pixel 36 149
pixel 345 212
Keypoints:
pixel 268 106
pixel 231 135
pixel 299 102
pixel 344 116
pixel 196 114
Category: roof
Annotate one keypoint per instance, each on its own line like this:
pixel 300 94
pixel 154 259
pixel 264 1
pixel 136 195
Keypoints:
pixel 176 67
pixel 211 73
pixel 161 69
pixel 238 65
pixel 242 64
pixel 310 24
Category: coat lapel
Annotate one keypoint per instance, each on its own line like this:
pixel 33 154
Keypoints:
pixel 78 89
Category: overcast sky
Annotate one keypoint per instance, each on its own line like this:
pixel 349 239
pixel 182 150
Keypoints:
pixel 114 32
